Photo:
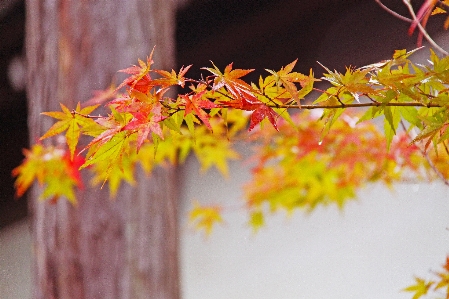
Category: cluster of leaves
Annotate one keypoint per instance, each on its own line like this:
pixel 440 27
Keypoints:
pixel 437 287
pixel 300 163
pixel 298 168
pixel 51 167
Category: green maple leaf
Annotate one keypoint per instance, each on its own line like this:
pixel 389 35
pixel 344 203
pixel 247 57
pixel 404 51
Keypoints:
pixel 115 173
pixel 110 152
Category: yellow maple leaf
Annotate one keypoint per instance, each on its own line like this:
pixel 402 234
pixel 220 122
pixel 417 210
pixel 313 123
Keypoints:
pixel 205 217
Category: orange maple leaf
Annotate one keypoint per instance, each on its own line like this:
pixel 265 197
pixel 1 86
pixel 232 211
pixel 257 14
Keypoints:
pixel 231 80
pixel 140 78
pixel 172 78
pixel 197 103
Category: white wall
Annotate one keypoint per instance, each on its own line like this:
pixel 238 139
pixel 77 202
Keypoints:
pixel 15 262
pixel 371 249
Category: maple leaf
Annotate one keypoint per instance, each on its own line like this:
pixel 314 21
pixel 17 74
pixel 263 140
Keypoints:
pixel 287 78
pixel 110 151
pixel 145 122
pixel 73 168
pixel 262 111
pixel 72 122
pixel 268 89
pixel 112 125
pixel 30 169
pixel 114 174
pixel 213 149
pixel 231 80
pixel 140 78
pixel 205 217
pixel 197 103
pixel 172 78
pixel 256 220
pixel 444 282
pixel 53 169
pixel 138 102
pixel 420 288
pixel 111 144
pixel 444 278
pixel 297 170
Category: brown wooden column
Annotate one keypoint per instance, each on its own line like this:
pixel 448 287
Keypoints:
pixel 122 248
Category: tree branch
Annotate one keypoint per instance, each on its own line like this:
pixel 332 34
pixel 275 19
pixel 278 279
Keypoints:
pixel 422 29
pixel 359 105
pixel 414 19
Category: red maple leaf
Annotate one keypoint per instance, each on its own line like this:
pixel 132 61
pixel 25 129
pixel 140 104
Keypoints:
pixel 146 122
pixel 260 113
pixel 73 167
pixel 197 103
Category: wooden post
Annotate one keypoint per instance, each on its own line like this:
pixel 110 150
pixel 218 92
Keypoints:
pixel 122 248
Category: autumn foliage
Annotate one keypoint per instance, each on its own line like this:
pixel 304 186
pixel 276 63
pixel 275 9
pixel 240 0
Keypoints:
pixel 315 141
pixel 311 147
pixel 301 160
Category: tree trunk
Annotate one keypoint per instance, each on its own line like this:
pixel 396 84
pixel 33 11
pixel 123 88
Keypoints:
pixel 122 248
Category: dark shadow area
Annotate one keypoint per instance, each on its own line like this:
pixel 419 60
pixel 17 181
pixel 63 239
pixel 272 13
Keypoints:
pixel 271 34
pixel 13 115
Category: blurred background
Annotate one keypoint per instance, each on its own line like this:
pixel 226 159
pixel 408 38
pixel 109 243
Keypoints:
pixel 371 249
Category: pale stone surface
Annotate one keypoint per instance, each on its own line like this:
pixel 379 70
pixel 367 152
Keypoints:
pixel 15 261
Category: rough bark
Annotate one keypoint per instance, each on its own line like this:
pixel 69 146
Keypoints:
pixel 122 248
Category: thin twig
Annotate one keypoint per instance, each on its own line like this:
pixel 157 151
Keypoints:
pixel 360 105
pixel 86 115
pixel 392 12
pixel 426 156
pixel 421 28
